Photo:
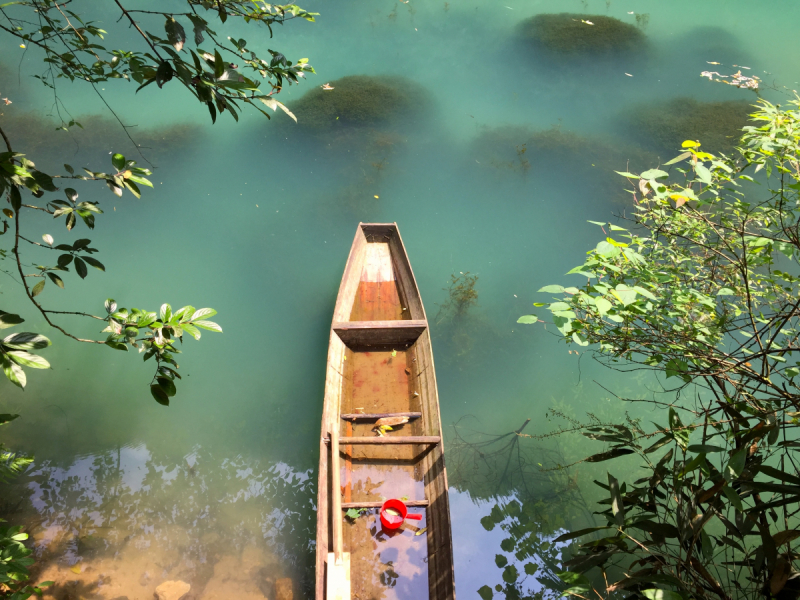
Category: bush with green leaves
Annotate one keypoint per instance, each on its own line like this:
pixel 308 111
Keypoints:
pixel 702 288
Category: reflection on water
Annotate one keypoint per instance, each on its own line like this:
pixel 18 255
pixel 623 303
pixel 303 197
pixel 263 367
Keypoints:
pixel 125 521
pixel 498 180
pixel 385 564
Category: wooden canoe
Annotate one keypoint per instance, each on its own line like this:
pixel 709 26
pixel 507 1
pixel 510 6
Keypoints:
pixel 380 365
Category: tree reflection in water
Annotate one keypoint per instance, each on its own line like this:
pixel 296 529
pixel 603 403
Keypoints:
pixel 533 502
pixel 122 522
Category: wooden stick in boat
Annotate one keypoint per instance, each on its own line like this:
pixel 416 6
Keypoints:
pixel 398 439
pixel 338 561
pixel 348 464
pixel 368 504
pixel 376 416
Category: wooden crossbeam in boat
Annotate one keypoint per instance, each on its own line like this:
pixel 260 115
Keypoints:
pixel 376 416
pixel 346 505
pixel 397 439
pixel 380 332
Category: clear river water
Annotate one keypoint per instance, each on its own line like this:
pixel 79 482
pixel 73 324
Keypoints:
pixel 256 221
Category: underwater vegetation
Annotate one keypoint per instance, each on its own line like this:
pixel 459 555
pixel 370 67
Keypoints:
pixel 556 150
pixel 664 126
pixel 461 296
pixel 41 138
pixel 570 34
pixel 360 101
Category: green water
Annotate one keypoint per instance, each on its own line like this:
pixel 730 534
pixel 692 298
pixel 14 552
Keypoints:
pixel 255 221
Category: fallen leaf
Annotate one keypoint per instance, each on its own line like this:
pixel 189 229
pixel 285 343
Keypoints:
pixel 421 531
pixel 76 569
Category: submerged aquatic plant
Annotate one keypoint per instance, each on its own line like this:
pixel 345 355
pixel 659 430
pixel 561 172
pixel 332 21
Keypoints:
pixel 523 150
pixel 461 296
pixel 665 125
pixel 359 101
pixel 581 34
pixel 92 137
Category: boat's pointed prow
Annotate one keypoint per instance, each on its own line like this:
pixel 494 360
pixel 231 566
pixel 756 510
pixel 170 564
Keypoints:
pixel 381 398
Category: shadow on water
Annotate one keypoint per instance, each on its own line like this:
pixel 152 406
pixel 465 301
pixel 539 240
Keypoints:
pixel 111 523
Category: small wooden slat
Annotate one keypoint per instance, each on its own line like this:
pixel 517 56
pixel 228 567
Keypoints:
pixel 380 332
pixel 398 439
pixel 367 504
pixel 376 416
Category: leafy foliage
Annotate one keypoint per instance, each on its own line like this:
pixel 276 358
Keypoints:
pixel 74 50
pixel 702 289
pixel 17 172
pixel 569 34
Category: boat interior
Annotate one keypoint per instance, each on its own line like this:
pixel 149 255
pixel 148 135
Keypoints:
pixel 380 365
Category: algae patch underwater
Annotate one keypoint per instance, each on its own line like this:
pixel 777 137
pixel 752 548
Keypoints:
pixel 359 101
pixel 663 126
pixel 579 34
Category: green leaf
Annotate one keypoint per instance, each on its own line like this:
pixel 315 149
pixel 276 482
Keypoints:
pixel 210 325
pixel 175 33
pixel 617 507
pixel 80 267
pixel 26 359
pixel 552 289
pixel 37 289
pixel 486 593
pixel 614 453
pixel 44 181
pixel 93 262
pixel 118 160
pixel 578 584
pixel 26 341
pixel 654 594
pixel 507 545
pixel 166 384
pixel 191 330
pixel 654 174
pixel 678 158
pixel 579 340
pixel 56 279
pixel 14 372
pixel 528 319
pixel 203 312
pixel 219 64
pixel 9 320
pixel 500 560
pixel 680 433
pixel 159 395
pixel 736 464
pixel 602 305
pixel 726 292
pixel 703 174
pixel 704 448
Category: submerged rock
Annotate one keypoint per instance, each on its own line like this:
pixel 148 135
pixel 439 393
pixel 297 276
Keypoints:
pixel 664 126
pixel 172 590
pixel 579 34
pixel 284 589
pixel 359 101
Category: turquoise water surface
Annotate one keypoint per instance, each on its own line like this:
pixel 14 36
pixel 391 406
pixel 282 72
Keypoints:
pixel 256 220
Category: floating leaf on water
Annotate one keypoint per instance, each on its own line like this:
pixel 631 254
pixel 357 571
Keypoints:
pixel 76 569
pixel 421 531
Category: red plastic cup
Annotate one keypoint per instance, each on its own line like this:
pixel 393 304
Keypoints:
pixel 395 521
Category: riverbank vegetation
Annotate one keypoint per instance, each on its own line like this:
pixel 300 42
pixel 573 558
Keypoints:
pixel 701 288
